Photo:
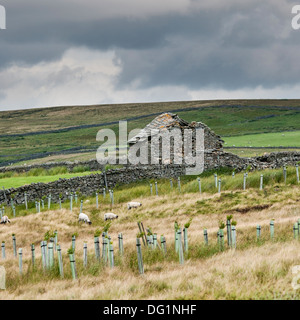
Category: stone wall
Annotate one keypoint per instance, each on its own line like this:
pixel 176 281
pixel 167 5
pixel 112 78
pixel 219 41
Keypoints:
pixel 92 164
pixel 278 159
pixel 88 185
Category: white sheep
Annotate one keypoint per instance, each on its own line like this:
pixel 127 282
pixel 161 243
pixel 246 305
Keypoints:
pixel 110 215
pixel 83 217
pixel 133 205
pixel 4 219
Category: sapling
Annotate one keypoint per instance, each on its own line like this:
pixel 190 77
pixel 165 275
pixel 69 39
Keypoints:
pixel 221 224
pixel 20 261
pixel 111 254
pixel 163 244
pixel 72 261
pixel 185 234
pixel 272 228
pixel 228 225
pixel 216 180
pixel 199 185
pixel 150 237
pixel 121 248
pixel 221 234
pixel 245 181
pixel 219 185
pixel 233 233
pixel 3 250
pixel 55 239
pixel 32 254
pixel 74 235
pixel 107 226
pixel 97 233
pixel 60 262
pixel 187 225
pixel 71 202
pixel 139 255
pixel 49 201
pixel 14 244
pixel 140 235
pixel 49 234
pixel 205 236
pixel 50 255
pixel 155 243
pixel 43 253
pixel 43 202
pixel 295 228
pixel 258 232
pixel 180 249
pixel 96 244
pixel 85 254
pixel 25 200
pixel 179 185
pixel 176 227
pixel 70 251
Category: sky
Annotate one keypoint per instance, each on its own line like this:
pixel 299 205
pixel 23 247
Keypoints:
pixel 64 52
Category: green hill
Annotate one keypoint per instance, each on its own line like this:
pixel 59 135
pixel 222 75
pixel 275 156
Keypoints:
pixel 35 133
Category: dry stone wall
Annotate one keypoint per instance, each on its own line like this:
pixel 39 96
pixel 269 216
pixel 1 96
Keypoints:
pixel 88 185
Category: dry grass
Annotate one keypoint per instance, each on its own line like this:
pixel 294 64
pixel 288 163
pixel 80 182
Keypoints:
pixel 255 270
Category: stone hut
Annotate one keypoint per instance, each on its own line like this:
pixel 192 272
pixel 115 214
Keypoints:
pixel 165 124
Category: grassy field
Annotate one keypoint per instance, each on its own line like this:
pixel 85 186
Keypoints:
pixel 278 139
pixel 18 181
pixel 227 118
pixel 255 152
pixel 254 270
pixel 22 121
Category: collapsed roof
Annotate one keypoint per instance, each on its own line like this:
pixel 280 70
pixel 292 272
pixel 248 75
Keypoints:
pixel 166 121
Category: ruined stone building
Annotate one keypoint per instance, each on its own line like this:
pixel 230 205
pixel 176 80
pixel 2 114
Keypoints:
pixel 165 129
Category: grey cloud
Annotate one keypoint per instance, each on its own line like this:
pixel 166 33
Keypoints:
pixel 230 45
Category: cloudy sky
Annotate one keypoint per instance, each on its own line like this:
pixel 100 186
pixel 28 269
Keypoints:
pixel 71 52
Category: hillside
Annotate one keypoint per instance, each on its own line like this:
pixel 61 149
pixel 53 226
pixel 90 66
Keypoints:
pixel 36 133
pixel 255 269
